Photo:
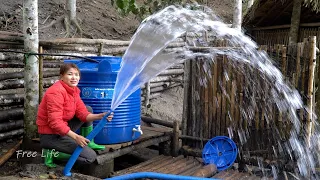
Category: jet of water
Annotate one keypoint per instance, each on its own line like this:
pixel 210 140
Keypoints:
pixel 146 57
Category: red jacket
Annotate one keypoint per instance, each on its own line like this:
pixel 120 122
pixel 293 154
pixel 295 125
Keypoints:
pixel 59 105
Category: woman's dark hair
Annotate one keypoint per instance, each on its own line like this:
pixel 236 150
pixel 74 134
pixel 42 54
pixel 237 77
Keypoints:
pixel 65 68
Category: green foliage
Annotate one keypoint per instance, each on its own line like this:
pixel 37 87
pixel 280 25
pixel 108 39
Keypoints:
pixel 148 7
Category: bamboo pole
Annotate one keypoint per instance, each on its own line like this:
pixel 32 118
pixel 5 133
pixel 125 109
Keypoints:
pixel 312 65
pixel 9 153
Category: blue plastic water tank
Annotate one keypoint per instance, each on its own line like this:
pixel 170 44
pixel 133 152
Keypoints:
pixel 97 83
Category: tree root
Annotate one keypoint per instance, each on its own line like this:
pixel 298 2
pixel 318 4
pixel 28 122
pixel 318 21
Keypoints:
pixel 68 24
pixel 59 19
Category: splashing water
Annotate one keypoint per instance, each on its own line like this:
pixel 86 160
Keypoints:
pixel 146 57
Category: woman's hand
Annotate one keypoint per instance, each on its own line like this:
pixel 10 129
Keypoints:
pixel 94 117
pixel 101 115
pixel 82 141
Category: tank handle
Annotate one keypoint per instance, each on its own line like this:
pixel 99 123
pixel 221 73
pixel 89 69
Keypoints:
pixel 104 66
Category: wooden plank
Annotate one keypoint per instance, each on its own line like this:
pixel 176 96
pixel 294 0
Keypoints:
pixel 132 168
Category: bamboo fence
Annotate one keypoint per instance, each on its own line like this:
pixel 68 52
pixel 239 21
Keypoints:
pixel 281 36
pixel 216 95
pixel 12 64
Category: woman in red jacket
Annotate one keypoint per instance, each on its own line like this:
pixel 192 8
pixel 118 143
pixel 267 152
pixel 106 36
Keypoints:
pixel 61 113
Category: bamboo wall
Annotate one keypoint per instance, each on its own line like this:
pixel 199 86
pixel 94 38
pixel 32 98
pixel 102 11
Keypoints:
pixel 281 36
pixel 217 93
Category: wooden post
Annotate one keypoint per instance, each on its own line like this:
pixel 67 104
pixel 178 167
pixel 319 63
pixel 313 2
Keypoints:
pixel 147 93
pixel 312 65
pixel 175 139
pixel 100 49
pixel 40 74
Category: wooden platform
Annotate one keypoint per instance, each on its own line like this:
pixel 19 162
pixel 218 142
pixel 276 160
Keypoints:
pixel 150 136
pixel 181 165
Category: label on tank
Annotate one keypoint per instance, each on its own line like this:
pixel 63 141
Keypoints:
pixel 96 93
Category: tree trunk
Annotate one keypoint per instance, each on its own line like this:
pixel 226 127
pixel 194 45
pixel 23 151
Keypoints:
pixel 71 9
pixel 237 14
pixel 295 21
pixel 31 78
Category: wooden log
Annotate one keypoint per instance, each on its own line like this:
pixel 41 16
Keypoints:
pixel 117 50
pixel 157 121
pixel 187 150
pixel 157 84
pixel 177 66
pixel 83 41
pixel 152 96
pixel 9 153
pixel 11 99
pixel 11 46
pixel 10 38
pixel 147 94
pixel 19 64
pixel 19 75
pixel 206 171
pixel 175 139
pixel 11 33
pixel 111 155
pixel 19 83
pixel 177 42
pixel 11 114
pixel 6 126
pixel 10 134
pixel 166 79
pixel 171 72
pixel 11 56
pixel 161 88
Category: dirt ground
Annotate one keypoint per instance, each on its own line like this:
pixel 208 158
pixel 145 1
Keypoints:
pixel 100 20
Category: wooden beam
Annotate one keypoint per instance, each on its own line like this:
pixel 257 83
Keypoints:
pixel 284 26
